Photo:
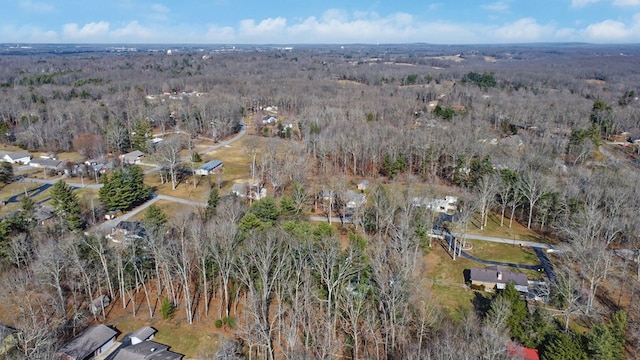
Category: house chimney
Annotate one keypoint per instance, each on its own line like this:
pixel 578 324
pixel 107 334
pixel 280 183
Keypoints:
pixel 499 275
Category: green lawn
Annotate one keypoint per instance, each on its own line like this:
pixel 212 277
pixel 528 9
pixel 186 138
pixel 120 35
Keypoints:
pixel 503 252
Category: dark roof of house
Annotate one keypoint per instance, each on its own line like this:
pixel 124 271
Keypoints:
pixel 50 163
pixel 88 341
pixel 43 213
pixel 132 227
pixel 133 155
pixel 490 274
pixel 147 350
pixel 210 165
pixel 144 332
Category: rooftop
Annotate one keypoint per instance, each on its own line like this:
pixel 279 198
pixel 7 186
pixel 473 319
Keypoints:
pixel 88 341
pixel 498 275
pixel 210 165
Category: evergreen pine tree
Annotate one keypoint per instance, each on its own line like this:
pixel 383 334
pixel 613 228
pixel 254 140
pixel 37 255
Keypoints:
pixel 212 202
pixel 155 219
pixel 6 172
pixel 66 205
pixel 564 346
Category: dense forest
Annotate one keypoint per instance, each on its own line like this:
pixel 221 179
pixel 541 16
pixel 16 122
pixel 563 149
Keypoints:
pixel 541 135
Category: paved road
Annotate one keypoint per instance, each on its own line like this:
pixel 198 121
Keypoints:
pixel 333 219
pixel 110 224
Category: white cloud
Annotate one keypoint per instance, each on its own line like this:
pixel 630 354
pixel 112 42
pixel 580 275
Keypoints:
pixel 29 34
pixel 264 29
pixel 582 3
pixel 524 30
pixel 90 30
pixel 133 30
pixel 499 6
pixel 608 30
pixel 217 34
pixel 35 6
pixel 626 2
pixel 160 8
pixel 332 26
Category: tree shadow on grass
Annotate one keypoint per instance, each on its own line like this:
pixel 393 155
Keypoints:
pixel 481 304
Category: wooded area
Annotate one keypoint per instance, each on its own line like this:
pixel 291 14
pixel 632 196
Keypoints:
pixel 540 135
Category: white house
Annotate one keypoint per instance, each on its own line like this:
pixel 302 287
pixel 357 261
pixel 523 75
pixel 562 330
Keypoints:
pixel 21 157
pixel 46 163
pixel 133 157
pixel 210 167
pixel 269 119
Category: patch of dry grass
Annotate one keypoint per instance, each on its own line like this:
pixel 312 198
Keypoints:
pixel 503 252
pixel 444 280
pixel 493 228
pixel 193 341
pixel 13 193
pixel 184 189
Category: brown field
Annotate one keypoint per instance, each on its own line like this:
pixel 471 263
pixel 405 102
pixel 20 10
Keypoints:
pixel 517 231
pixel 13 193
pixel 199 340
pixel 170 208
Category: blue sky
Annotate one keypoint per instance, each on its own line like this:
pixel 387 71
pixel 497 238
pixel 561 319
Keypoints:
pixel 313 21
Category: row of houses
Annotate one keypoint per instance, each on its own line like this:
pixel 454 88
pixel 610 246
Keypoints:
pixel 24 158
pixel 99 342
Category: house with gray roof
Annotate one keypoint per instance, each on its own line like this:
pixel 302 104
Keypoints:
pixel 95 340
pixel 46 163
pixel 19 157
pixel 210 167
pixel 496 278
pixel 133 157
pixel 146 350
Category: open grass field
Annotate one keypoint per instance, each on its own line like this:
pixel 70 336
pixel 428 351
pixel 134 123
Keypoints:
pixel 237 161
pixel 12 193
pixel 512 253
pixel 236 167
pixel 170 208
pixel 516 232
pixel 185 189
pixel 443 279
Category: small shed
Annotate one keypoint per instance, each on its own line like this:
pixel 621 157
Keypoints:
pixel 363 185
pixel 145 333
pixel 98 304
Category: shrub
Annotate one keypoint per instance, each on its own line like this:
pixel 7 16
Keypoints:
pixel 167 309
